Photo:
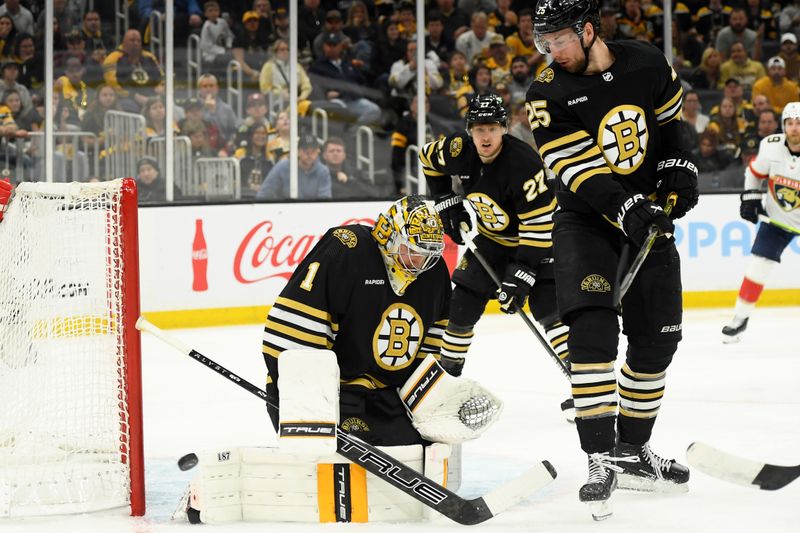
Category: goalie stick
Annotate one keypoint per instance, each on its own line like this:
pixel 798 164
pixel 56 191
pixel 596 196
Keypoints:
pixel 525 318
pixel 386 467
pixel 739 470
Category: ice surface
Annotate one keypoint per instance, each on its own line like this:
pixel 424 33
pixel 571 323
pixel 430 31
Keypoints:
pixel 741 398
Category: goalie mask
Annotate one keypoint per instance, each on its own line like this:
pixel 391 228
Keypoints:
pixel 410 236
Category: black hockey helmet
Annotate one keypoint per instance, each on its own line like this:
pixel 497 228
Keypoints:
pixel 486 109
pixel 554 15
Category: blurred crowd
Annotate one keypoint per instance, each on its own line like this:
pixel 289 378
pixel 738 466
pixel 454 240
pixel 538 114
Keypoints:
pixel 738 62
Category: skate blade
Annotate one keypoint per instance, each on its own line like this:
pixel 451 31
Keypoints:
pixel 601 509
pixel 640 484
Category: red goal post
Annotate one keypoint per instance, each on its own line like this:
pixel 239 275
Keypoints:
pixel 70 356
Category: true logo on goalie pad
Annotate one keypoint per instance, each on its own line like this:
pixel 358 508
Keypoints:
pixel 307 429
pixel 421 387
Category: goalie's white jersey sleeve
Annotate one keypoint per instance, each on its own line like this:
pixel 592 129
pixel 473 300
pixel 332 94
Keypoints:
pixel 776 164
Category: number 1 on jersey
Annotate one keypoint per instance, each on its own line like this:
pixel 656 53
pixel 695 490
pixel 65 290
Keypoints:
pixel 308 281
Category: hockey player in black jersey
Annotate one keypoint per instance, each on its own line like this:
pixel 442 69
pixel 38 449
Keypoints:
pixel 504 181
pixel 606 119
pixel 378 297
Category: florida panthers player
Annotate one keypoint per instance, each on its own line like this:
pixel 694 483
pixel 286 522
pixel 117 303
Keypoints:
pixel 778 165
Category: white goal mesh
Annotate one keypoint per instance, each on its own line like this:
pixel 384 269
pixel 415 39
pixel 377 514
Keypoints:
pixel 70 400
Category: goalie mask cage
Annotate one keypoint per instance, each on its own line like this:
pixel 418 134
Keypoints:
pixel 70 368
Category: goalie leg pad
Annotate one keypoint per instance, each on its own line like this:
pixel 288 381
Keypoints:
pixel 309 395
pixel 445 408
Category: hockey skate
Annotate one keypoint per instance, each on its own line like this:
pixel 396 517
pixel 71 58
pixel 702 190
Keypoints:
pixel 734 330
pixel 647 472
pixel 597 490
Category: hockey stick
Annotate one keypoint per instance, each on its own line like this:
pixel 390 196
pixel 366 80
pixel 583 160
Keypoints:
pixel 644 251
pixel 389 469
pixel 739 470
pixel 489 270
pixel 785 227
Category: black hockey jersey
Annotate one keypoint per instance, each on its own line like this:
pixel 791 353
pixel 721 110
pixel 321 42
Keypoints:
pixel 603 135
pixel 513 204
pixel 339 298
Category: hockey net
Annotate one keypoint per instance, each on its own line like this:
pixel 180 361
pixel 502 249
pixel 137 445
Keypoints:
pixel 70 384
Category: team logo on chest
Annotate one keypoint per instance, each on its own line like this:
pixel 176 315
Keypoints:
pixel 623 138
pixel 489 213
pixel 397 337
pixel 786 196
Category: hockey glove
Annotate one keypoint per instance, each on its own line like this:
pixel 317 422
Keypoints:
pixel 452 365
pixel 452 211
pixel 751 205
pixel 678 175
pixel 516 286
pixel 5 195
pixel 637 214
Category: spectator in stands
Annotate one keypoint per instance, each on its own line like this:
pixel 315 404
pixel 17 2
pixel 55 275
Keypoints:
pixel 711 19
pixel 437 41
pixel 788 52
pixel 361 32
pixel 520 80
pixel 9 73
pixel 761 104
pixel 92 33
pixel 195 109
pixel 94 118
pixel 12 101
pixel 480 82
pixel 454 19
pixel 789 21
pixel 342 84
pixel 768 123
pixel 405 134
pixel 474 43
pixel 264 10
pixel 744 109
pixel 775 86
pixel 280 25
pixel 390 48
pixel 313 178
pixel 278 145
pixel 761 19
pixel 346 181
pixel 631 22
pixel 333 24
pixel 457 75
pixel 707 74
pixel 22 17
pixel 254 160
pixel 692 112
pixel 274 79
pixel 216 37
pixel 686 46
pixel 188 17
pixel 216 110
pixel 310 18
pixel 7 35
pixel 75 47
pixel 403 77
pixel 502 19
pixel 74 91
pixel 741 67
pixel 521 43
pixel 521 126
pixel 199 142
pixel 737 32
pixel 155 118
pixel 406 19
pixel 133 72
pixel 708 156
pixel 249 47
pixel 150 184
pixel 499 60
pixel 256 110
pixel 729 127
pixel 65 16
pixel 31 63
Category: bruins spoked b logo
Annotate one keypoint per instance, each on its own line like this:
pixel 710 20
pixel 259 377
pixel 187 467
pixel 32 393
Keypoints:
pixel 397 337
pixel 623 138
pixel 489 212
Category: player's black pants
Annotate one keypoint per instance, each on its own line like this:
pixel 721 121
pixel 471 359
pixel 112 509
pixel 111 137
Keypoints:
pixel 587 255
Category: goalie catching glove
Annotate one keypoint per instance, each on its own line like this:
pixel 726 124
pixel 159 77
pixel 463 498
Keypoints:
pixel 445 408
pixel 515 288
pixel 678 175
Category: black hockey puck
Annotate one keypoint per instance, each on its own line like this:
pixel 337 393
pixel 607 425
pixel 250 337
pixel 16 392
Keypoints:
pixel 187 462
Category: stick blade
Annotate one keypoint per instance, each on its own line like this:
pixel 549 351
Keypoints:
pixel 739 470
pixel 516 490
